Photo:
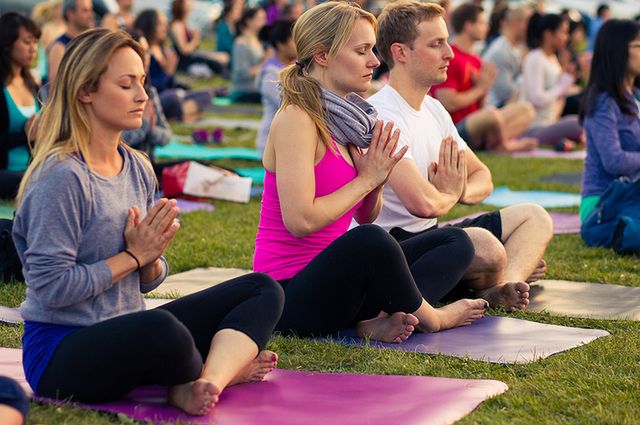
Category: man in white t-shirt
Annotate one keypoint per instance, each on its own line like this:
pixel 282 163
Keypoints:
pixel 439 170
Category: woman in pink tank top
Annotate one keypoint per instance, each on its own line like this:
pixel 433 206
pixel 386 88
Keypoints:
pixel 316 183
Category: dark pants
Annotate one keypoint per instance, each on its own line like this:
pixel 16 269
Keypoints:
pixel 163 346
pixel 364 272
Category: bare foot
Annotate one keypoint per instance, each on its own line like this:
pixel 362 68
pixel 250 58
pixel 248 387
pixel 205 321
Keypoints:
pixel 195 397
pixel 519 145
pixel 259 367
pixel 538 273
pixel 395 328
pixel 460 313
pixel 512 295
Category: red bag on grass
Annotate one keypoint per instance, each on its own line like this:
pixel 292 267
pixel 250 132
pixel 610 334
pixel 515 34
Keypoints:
pixel 193 179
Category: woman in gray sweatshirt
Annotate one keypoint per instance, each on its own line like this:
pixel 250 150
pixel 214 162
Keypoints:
pixel 91 241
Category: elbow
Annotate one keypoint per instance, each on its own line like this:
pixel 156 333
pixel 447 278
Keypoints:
pixel 299 227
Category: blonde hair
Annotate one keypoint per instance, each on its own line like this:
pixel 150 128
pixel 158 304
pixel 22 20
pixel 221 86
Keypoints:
pixel 323 28
pixel 63 126
pixel 45 12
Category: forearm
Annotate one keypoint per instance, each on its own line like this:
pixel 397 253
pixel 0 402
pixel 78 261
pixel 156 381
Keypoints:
pixel 151 271
pixel 478 187
pixel 454 100
pixel 326 209
pixel 371 206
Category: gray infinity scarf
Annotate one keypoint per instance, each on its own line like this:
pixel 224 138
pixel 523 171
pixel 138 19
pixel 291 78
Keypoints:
pixel 350 119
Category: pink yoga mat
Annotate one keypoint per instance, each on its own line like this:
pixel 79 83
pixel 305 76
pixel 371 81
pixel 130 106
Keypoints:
pixel 563 223
pixel 548 153
pixel 289 397
pixel 491 339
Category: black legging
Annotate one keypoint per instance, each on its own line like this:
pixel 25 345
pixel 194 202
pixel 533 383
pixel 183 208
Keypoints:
pixel 364 272
pixel 163 346
pixel 9 182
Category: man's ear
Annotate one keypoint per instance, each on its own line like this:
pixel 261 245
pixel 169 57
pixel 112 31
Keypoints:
pixel 321 58
pixel 399 52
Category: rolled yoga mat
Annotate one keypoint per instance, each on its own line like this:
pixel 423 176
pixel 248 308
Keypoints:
pixel 584 299
pixel 490 339
pixel 288 397
pixel 177 150
pixel 563 223
pixel 504 197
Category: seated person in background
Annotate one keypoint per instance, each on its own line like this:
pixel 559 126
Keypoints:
pixel 439 170
pixel 469 81
pixel 18 101
pixel 506 54
pixel 99 247
pixel 177 103
pixel 268 81
pixel 247 57
pixel 292 11
pixel 611 118
pixel 78 14
pixel 187 40
pixel 547 83
pixel 225 26
pixel 48 15
pixel 155 130
pixel 121 20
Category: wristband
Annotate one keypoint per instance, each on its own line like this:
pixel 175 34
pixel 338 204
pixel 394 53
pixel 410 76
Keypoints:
pixel 134 257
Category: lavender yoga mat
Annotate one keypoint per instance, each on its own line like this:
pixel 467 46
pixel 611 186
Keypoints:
pixel 289 397
pixel 548 153
pixel 491 339
pixel 187 206
pixel 563 223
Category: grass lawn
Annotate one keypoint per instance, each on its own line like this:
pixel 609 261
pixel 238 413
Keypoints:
pixel 595 384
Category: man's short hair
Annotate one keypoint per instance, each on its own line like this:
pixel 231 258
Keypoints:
pixel 398 23
pixel 467 12
pixel 68 5
pixel 603 7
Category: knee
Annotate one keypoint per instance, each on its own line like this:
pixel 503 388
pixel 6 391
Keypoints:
pixel 526 111
pixel 538 219
pixel 490 254
pixel 372 242
pixel 164 332
pixel 270 291
pixel 461 245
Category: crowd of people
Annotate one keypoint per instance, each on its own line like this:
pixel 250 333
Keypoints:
pixel 355 181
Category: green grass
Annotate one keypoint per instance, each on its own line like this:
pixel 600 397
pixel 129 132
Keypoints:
pixel 594 384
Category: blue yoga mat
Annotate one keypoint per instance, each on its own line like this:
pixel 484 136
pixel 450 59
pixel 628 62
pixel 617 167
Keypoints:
pixel 6 211
pixel 177 150
pixel 256 174
pixel 504 197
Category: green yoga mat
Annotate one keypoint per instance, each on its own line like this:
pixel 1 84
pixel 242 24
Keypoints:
pixel 256 174
pixel 6 211
pixel 177 150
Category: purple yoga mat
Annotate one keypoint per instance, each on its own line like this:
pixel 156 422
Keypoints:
pixel 288 397
pixel 563 223
pixel 187 206
pixel 491 339
pixel 548 153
